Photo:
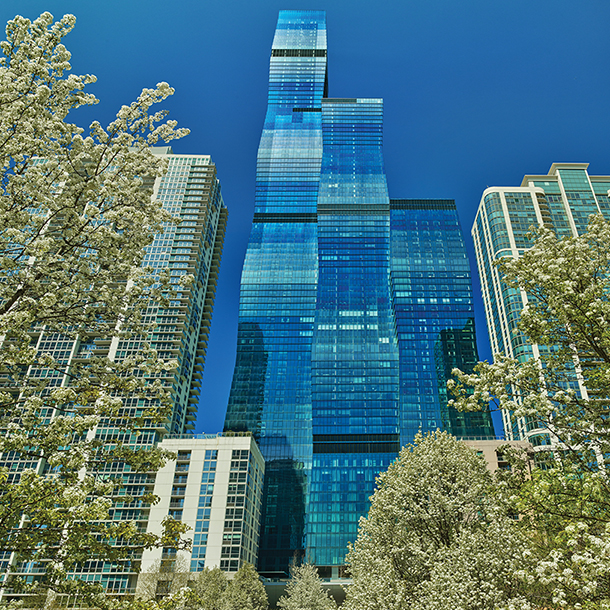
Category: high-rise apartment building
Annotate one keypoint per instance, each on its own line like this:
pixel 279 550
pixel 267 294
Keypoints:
pixel 353 308
pixel 190 191
pixel 564 200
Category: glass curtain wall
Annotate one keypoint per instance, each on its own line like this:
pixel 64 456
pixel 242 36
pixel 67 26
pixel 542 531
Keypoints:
pixel 271 389
pixel 352 313
pixel 433 305
pixel 355 356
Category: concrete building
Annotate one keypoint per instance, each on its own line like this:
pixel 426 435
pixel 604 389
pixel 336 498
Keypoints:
pixel 492 451
pixel 215 486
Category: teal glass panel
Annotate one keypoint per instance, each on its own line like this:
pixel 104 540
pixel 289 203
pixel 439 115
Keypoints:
pixel 554 201
pixel 559 216
pixel 497 223
pixel 549 186
pixel 600 187
pixel 487 258
pixel 604 205
pixel 580 197
pixel 522 216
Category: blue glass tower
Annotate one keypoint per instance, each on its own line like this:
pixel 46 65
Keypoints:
pixel 433 309
pixel 354 351
pixel 271 394
pixel 339 361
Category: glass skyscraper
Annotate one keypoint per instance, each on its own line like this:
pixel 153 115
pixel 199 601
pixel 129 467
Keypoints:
pixel 433 312
pixel 564 200
pixel 353 309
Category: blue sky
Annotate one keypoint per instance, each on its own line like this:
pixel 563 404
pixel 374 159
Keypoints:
pixel 477 93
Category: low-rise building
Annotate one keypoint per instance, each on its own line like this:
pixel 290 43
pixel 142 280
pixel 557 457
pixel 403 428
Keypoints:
pixel 493 451
pixel 215 486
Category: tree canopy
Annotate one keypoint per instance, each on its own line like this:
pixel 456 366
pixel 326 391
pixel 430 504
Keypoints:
pixel 208 589
pixel 76 213
pixel 435 537
pixel 304 591
pixel 245 591
pixel 564 390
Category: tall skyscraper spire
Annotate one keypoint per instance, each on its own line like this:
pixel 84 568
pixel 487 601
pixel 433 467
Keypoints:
pixel 271 390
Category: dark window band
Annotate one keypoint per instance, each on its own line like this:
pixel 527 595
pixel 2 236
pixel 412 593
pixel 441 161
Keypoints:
pixel 356 443
pixel 350 438
pixel 357 210
pixel 287 217
pixel 358 448
pixel 339 100
pixel 298 53
pixel 422 204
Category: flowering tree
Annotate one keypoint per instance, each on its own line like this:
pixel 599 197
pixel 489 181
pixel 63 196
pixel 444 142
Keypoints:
pixel 211 590
pixel 75 215
pixel 304 591
pixel 434 536
pixel 565 389
pixel 567 282
pixel 208 589
pixel 245 591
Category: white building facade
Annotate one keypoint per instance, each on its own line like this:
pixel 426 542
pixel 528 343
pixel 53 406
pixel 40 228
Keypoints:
pixel 215 486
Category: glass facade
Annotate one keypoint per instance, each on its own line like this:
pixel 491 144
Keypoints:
pixel 434 316
pixel 353 309
pixel 354 351
pixel 271 393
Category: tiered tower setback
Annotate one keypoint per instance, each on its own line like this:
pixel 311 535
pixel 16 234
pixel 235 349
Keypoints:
pixel 353 309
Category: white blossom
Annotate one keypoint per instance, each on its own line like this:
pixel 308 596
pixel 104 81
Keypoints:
pixel 304 591
pixel 434 536
pixel 76 213
pixel 564 504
